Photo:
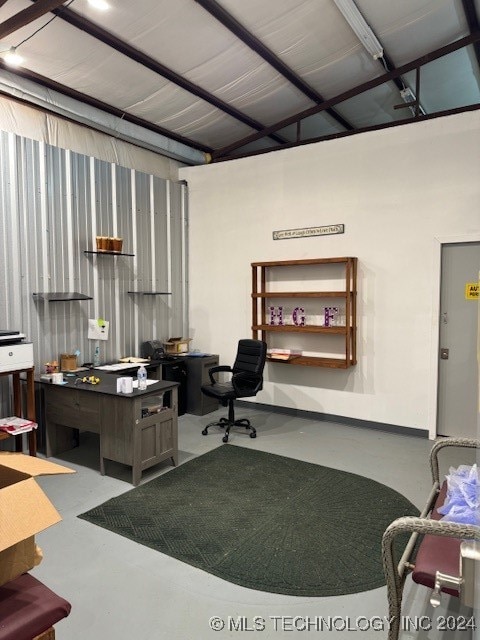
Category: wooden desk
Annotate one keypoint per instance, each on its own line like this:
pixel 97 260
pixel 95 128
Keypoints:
pixel 17 406
pixel 125 436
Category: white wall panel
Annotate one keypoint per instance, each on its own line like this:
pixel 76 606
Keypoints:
pixel 396 191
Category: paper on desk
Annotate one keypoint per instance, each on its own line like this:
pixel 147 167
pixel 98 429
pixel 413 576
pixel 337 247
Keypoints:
pixel 114 367
pixel 149 382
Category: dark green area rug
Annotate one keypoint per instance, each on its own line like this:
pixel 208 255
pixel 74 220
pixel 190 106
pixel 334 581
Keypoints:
pixel 263 521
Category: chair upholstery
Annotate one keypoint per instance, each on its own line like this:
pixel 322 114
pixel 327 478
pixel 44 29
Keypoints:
pixel 246 380
pixel 437 553
pixel 28 608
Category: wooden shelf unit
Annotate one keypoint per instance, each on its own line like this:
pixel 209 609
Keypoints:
pixel 17 406
pixel 262 273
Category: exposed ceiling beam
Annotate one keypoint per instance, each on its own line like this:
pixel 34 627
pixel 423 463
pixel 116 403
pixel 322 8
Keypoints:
pixel 233 25
pixel 344 134
pixel 473 23
pixel 355 91
pixel 108 108
pixel 125 49
pixel 24 17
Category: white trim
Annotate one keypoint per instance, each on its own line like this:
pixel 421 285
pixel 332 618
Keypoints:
pixel 438 242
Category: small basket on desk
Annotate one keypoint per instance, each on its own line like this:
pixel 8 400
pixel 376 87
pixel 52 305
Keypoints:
pixel 68 362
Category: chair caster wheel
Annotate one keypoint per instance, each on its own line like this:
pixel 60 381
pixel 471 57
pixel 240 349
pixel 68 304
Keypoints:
pixel 253 435
pixel 225 438
pixel 204 432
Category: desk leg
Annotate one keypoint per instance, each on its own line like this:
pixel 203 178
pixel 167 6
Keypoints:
pixel 136 475
pixel 17 408
pixel 32 436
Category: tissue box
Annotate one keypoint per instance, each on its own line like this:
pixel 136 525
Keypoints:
pixel 177 345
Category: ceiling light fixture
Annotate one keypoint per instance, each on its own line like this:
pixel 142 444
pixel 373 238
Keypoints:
pixel 12 58
pixel 101 5
pixel 364 33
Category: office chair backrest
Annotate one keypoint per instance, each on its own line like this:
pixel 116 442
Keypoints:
pixel 251 355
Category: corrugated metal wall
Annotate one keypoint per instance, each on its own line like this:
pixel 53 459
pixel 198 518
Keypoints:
pixel 53 204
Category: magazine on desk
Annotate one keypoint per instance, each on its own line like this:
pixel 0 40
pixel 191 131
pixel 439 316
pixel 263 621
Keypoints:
pixel 14 425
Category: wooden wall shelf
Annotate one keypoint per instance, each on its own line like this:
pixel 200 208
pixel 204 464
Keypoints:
pixel 266 276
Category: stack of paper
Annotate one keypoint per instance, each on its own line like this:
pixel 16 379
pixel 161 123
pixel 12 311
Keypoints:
pixel 13 425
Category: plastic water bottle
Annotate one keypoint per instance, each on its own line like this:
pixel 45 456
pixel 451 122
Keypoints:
pixel 142 378
pixel 96 357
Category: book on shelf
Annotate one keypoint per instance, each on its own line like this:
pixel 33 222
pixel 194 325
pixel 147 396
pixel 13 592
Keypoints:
pixel 283 354
pixel 14 425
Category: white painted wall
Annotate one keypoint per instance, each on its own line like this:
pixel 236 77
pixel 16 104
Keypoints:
pixel 397 191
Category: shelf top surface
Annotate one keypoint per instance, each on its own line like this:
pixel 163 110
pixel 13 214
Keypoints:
pixel 109 253
pixel 290 263
pixel 62 296
pixel 151 293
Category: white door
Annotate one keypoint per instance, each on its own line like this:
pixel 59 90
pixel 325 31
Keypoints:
pixel 458 367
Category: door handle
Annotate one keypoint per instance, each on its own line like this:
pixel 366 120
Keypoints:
pixel 444 353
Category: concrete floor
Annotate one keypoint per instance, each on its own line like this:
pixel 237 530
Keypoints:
pixel 120 590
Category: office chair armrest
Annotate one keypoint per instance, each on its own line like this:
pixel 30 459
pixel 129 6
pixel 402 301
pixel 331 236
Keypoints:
pixel 218 369
pixel 246 381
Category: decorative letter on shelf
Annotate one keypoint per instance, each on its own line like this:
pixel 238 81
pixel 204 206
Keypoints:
pixel 278 313
pixel 298 321
pixel 330 313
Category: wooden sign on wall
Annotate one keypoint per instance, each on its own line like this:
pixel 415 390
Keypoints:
pixel 288 234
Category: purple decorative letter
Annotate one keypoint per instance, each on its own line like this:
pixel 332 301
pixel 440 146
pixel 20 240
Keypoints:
pixel 299 322
pixel 279 315
pixel 330 313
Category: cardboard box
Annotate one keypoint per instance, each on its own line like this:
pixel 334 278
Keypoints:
pixel 25 510
pixel 177 345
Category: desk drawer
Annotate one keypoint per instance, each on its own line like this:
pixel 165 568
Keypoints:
pixel 73 408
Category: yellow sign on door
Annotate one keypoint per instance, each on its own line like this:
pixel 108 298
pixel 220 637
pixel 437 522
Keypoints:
pixel 471 291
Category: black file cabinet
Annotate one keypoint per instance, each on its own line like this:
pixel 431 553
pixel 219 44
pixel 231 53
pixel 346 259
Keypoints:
pixel 197 374
pixel 176 371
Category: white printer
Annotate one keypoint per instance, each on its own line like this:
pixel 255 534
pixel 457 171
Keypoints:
pixel 14 353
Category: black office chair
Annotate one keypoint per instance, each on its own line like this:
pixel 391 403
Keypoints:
pixel 246 381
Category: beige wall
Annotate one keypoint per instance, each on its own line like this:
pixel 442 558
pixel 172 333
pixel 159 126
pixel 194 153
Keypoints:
pixel 399 192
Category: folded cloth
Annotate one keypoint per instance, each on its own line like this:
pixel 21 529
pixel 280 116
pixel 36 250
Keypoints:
pixel 462 503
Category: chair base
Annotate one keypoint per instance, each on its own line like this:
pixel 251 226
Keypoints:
pixel 227 424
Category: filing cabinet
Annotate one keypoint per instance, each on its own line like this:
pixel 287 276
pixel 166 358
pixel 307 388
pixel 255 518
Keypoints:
pixel 197 374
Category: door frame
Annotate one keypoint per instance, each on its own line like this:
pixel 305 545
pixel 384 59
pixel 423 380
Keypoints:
pixel 438 242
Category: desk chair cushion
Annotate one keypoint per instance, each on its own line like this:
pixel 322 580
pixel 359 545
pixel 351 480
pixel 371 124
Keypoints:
pixel 242 385
pixel 28 608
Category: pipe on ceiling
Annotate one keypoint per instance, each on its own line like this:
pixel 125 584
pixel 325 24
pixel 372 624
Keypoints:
pixel 94 118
